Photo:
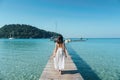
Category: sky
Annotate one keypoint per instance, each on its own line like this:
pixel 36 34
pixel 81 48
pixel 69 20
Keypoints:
pixel 71 18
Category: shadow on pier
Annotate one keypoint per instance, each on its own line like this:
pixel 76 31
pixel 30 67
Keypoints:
pixel 69 72
pixel 83 68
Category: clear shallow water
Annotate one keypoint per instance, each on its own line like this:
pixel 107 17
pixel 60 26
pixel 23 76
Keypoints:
pixel 99 59
pixel 24 59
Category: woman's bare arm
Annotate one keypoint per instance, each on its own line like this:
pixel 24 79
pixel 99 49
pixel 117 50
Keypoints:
pixel 55 50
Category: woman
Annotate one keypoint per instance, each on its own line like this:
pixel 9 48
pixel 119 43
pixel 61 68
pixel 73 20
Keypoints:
pixel 59 54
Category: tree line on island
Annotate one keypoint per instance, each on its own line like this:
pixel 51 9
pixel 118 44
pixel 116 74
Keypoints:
pixel 19 31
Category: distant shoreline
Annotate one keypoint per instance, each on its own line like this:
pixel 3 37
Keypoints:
pixel 18 31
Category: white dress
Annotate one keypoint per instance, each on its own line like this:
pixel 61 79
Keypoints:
pixel 59 59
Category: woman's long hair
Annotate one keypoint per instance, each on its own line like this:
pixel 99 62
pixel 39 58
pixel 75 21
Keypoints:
pixel 60 39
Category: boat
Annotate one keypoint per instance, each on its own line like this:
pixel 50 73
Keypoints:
pixel 67 40
pixel 11 38
pixel 80 39
pixel 54 38
pixel 11 35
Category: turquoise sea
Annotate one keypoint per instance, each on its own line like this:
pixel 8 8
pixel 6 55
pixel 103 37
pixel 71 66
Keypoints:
pixel 24 59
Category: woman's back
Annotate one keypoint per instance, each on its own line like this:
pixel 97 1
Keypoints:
pixel 60 45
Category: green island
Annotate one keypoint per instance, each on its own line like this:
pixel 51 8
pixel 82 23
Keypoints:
pixel 23 31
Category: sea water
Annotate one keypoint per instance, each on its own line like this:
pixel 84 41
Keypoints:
pixel 97 59
pixel 25 59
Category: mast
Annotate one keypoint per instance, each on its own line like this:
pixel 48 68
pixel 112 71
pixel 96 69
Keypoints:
pixel 11 35
pixel 56 26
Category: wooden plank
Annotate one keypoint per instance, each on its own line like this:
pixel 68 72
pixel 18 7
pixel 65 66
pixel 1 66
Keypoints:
pixel 69 73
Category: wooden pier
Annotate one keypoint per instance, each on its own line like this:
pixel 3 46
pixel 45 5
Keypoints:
pixel 69 73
